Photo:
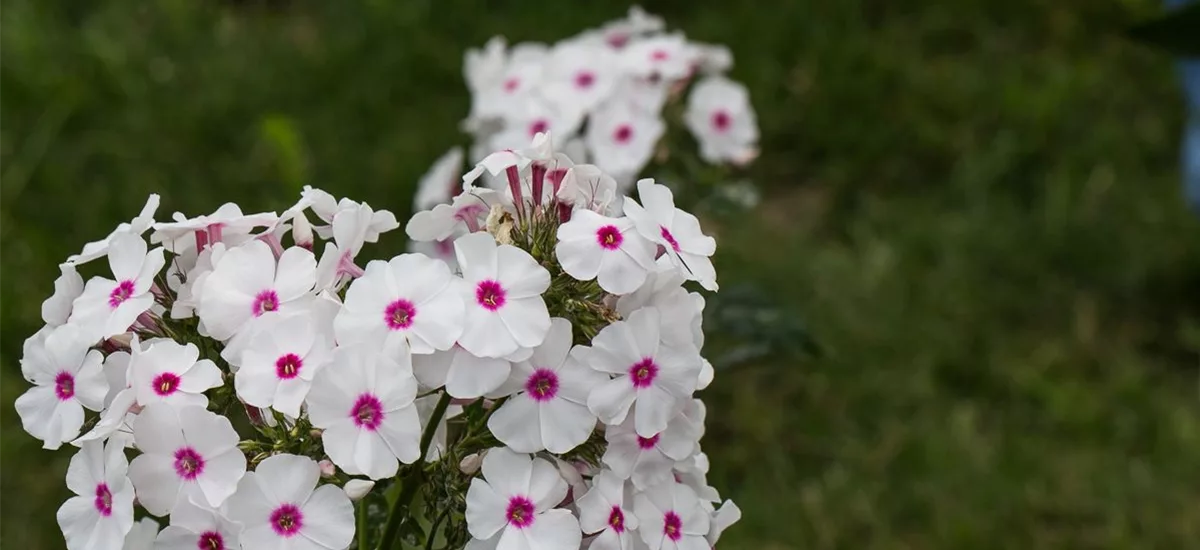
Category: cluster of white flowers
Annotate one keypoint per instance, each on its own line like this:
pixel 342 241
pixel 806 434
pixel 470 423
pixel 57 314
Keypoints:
pixel 261 390
pixel 604 91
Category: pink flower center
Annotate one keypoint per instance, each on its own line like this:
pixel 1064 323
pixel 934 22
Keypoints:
pixel 647 443
pixel 643 373
pixel 288 366
pixel 520 512
pixel 542 385
pixel 511 84
pixel 721 120
pixel 616 519
pixel 287 520
pixel 618 40
pixel 623 134
pixel 667 236
pixel 118 295
pixel 538 126
pixel 367 412
pixel 490 295
pixel 64 386
pixel 165 384
pixel 188 463
pixel 659 55
pixel 265 301
pixel 103 500
pixel 584 79
pixel 609 237
pixel 672 525
pixel 399 315
pixel 210 540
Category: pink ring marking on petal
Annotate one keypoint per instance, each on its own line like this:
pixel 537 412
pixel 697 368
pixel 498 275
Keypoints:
pixel 287 520
pixel 643 373
pixel 367 412
pixel 188 463
pixel 490 295
pixel 265 301
pixel 165 384
pixel 616 519
pixel 64 386
pixel 542 385
pixel 584 79
pixel 667 236
pixel 122 292
pixel 721 120
pixel 609 237
pixel 399 314
pixel 103 500
pixel 520 512
pixel 538 126
pixel 623 134
pixel 659 55
pixel 647 443
pixel 512 84
pixel 288 366
pixel 672 525
pixel 210 540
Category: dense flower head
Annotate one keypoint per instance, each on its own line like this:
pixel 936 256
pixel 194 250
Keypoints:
pixel 537 392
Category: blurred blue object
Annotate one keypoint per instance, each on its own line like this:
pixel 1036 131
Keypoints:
pixel 1190 71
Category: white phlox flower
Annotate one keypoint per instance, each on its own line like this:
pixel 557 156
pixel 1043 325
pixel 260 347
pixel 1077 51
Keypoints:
pixel 136 226
pixel 464 214
pixel 109 307
pixel 658 378
pixel 719 114
pixel 513 506
pixel 279 364
pixel 67 377
pixel 502 292
pixel 100 513
pixel 187 453
pixel 665 57
pixel 67 287
pixel 579 75
pixel 548 408
pixel 671 517
pixel 677 231
pixel 622 138
pixel 282 508
pixel 530 116
pixel 725 516
pixel 409 302
pixel 198 527
pixel 226 225
pixel 648 461
pixel 441 183
pixel 610 250
pixel 586 186
pixel 463 374
pixel 364 403
pixel 247 283
pixel 142 535
pixel 606 512
pixel 172 373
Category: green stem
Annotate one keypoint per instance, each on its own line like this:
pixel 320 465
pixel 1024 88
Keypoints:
pixel 414 477
pixel 433 529
pixel 362 523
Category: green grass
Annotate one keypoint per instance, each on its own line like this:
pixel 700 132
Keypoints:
pixel 974 205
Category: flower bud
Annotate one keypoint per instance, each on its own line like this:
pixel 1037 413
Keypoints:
pixel 471 463
pixel 358 488
pixel 302 233
pixel 327 468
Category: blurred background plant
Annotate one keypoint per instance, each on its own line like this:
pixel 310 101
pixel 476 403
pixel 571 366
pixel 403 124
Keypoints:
pixel 973 206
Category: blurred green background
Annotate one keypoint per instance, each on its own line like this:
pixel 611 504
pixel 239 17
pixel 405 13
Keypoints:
pixel 973 204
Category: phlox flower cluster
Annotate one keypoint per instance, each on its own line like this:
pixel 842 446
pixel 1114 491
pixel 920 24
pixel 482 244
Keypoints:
pixel 610 96
pixel 246 378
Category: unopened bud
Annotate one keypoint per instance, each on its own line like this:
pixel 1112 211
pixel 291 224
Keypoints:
pixel 302 233
pixel 471 463
pixel 358 488
pixel 327 468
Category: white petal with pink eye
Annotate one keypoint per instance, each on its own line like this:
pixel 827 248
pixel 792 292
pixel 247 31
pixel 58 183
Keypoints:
pixel 189 451
pixel 67 287
pixel 592 246
pixel 502 291
pixel 579 75
pixel 195 526
pixel 101 512
pixel 465 376
pixel 723 518
pixel 648 460
pixel 670 514
pixel 622 138
pixel 721 118
pixel 514 501
pixel 67 378
pixel 678 232
pixel 530 116
pixel 410 302
pixel 109 307
pixel 603 509
pixel 169 372
pixel 246 283
pixel 278 366
pixel 364 403
pixel 281 507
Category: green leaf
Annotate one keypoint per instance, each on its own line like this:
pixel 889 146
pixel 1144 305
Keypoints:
pixel 1178 31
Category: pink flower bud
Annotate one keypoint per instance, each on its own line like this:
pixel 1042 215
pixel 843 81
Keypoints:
pixel 327 468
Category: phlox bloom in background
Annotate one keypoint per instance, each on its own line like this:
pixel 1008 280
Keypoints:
pixel 604 509
pixel 720 116
pixel 101 512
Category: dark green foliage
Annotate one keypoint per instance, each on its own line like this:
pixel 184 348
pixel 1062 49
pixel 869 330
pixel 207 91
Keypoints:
pixel 972 206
